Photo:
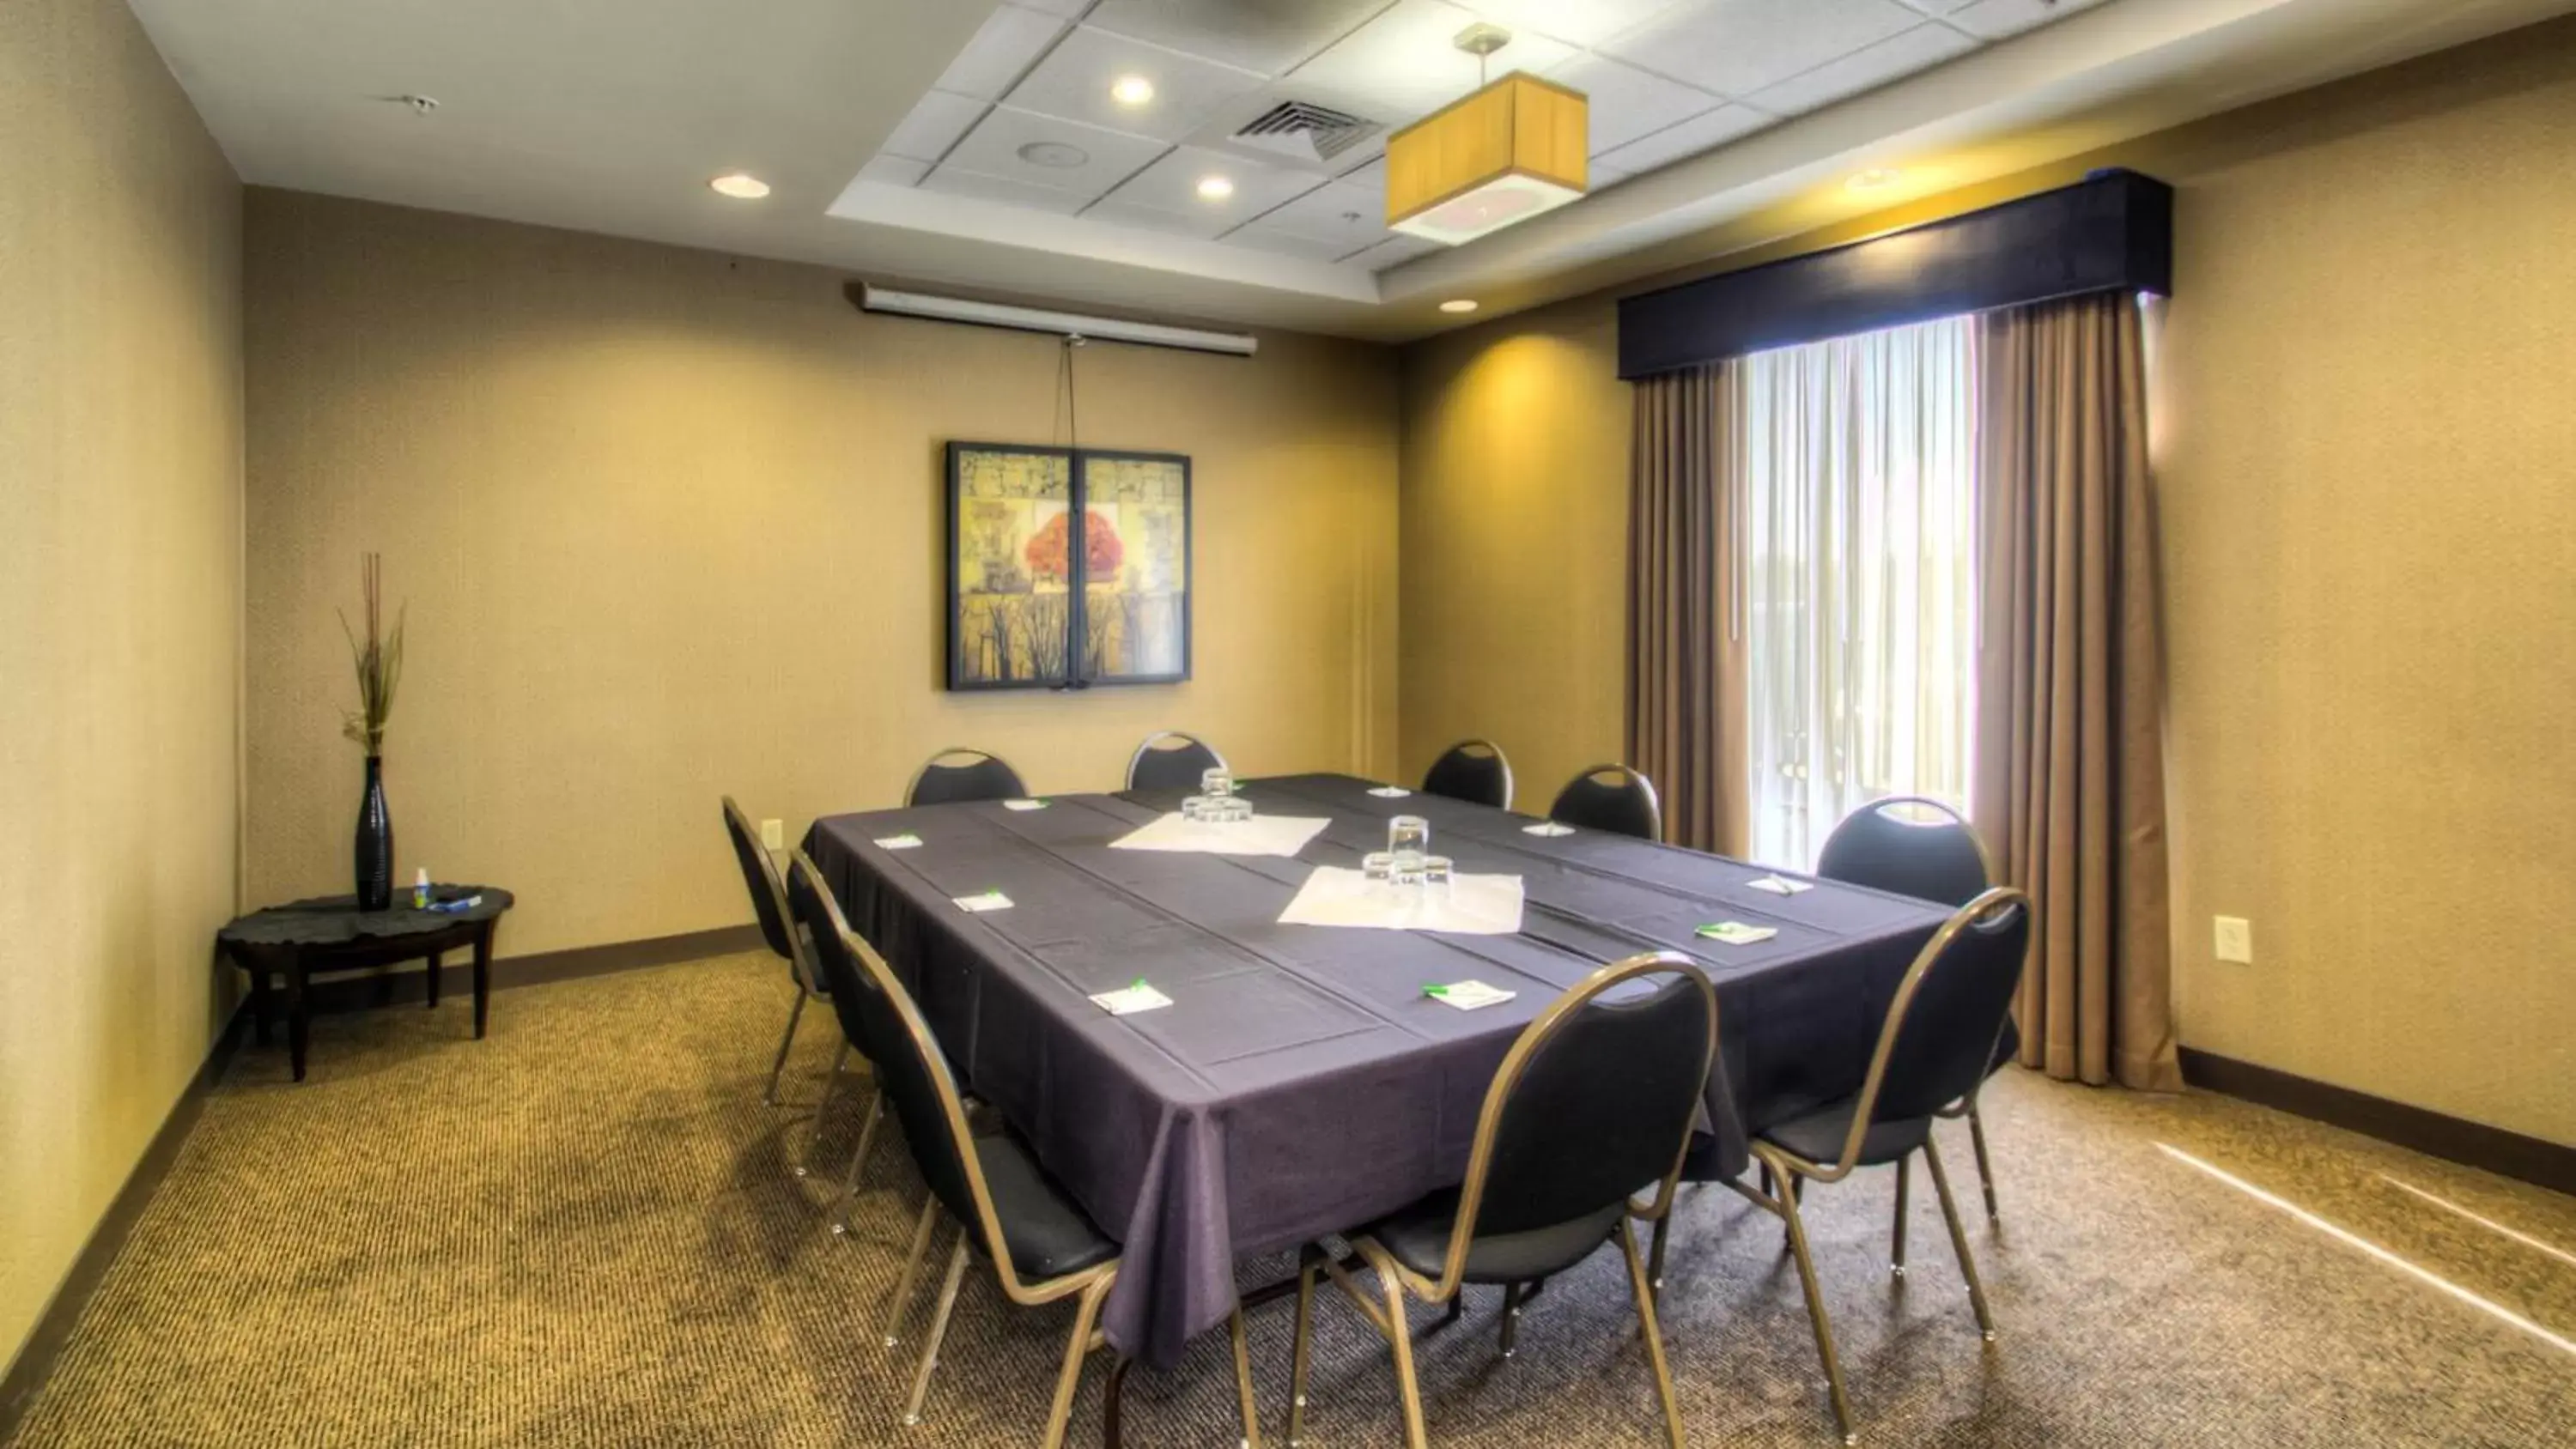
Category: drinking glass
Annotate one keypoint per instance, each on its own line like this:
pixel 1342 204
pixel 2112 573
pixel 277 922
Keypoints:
pixel 1408 833
pixel 1216 783
pixel 1229 809
pixel 1377 867
pixel 1437 873
pixel 1195 807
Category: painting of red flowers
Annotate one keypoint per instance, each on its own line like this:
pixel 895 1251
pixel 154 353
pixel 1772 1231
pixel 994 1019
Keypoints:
pixel 1021 615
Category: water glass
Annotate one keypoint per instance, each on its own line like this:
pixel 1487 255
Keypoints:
pixel 1229 809
pixel 1195 807
pixel 1378 867
pixel 1217 783
pixel 1408 834
pixel 1437 873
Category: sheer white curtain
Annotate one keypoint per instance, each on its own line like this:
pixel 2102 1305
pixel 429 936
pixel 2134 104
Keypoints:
pixel 1859 566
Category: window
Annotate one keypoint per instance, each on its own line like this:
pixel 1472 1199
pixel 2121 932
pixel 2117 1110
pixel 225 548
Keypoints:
pixel 1859 546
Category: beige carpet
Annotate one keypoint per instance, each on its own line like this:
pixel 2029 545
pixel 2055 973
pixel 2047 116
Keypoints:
pixel 585 1231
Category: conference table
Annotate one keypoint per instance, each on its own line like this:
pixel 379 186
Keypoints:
pixel 1302 1082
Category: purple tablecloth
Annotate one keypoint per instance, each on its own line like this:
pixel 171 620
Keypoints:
pixel 1300 1083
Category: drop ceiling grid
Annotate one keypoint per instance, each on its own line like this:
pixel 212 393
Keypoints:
pixel 1674 77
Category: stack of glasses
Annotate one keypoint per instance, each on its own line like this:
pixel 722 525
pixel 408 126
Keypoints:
pixel 1216 803
pixel 1407 865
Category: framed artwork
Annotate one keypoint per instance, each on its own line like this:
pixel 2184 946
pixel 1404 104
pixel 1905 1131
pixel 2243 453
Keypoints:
pixel 1028 606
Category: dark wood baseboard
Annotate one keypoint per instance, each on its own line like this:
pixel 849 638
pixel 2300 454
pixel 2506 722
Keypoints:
pixel 2454 1139
pixel 35 1358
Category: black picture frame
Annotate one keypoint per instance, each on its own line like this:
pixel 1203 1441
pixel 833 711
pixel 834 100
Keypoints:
pixel 1013 640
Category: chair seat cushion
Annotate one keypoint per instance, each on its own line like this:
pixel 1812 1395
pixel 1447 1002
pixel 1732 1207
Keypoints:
pixel 1047 1235
pixel 1418 1237
pixel 1819 1135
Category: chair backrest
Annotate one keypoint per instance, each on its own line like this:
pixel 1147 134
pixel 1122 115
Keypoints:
pixel 1595 1100
pixel 1939 1039
pixel 953 775
pixel 1613 798
pixel 1474 771
pixel 862 1009
pixel 1170 760
pixel 913 1072
pixel 768 896
pixel 1909 845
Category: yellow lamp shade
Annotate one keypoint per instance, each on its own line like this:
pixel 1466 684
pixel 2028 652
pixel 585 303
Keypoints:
pixel 1504 154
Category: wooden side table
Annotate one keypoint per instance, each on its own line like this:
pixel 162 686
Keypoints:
pixel 303 939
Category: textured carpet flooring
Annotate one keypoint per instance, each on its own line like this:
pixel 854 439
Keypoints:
pixel 585 1231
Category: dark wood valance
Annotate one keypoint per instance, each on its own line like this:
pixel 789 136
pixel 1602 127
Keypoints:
pixel 2112 231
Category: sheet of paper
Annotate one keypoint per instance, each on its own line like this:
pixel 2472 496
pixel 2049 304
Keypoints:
pixel 1024 804
pixel 1781 885
pixel 1128 1000
pixel 1260 835
pixel 1547 827
pixel 984 901
pixel 1390 792
pixel 905 841
pixel 1468 995
pixel 1476 905
pixel 1736 933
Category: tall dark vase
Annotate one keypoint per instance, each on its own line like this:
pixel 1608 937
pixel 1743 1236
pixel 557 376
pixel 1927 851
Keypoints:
pixel 375 845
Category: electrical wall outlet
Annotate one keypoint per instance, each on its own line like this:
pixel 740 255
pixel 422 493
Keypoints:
pixel 773 833
pixel 2235 939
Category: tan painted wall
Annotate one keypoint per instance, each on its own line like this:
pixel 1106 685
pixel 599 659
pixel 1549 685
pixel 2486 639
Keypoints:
pixel 2368 477
pixel 670 526
pixel 120 623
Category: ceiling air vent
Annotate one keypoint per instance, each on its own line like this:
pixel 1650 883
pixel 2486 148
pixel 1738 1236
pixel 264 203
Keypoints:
pixel 1305 131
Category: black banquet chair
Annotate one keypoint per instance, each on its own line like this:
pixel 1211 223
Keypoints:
pixel 1933 1049
pixel 1038 1242
pixel 810 901
pixel 777 930
pixel 1595 1099
pixel 956 775
pixel 1922 848
pixel 1612 798
pixel 1171 760
pixel 1474 771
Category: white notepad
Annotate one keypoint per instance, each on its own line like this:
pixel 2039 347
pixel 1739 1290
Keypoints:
pixel 905 841
pixel 1468 995
pixel 1547 827
pixel 1476 905
pixel 1736 933
pixel 983 901
pixel 1390 792
pixel 1128 1000
pixel 1260 835
pixel 1024 804
pixel 1781 885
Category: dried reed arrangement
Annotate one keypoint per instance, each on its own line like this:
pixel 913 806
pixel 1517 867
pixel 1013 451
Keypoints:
pixel 378 659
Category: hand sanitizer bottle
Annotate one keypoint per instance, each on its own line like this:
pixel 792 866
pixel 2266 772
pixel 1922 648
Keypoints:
pixel 420 889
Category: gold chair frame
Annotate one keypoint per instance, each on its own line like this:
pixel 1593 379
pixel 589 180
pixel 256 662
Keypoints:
pixel 1789 1170
pixel 799 966
pixel 1089 1286
pixel 1481 743
pixel 1396 1281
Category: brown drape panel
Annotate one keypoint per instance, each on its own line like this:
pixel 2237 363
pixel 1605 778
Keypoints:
pixel 2070 750
pixel 1686 657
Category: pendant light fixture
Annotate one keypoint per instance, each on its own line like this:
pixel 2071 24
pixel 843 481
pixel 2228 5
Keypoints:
pixel 1514 148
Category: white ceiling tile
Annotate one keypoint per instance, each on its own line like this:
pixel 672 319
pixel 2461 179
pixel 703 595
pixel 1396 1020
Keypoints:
pixel 1603 176
pixel 894 170
pixel 1583 22
pixel 1012 38
pixel 1108 157
pixel 1268 37
pixel 957 181
pixel 1394 251
pixel 1401 66
pixel 1171 184
pixel 1995 19
pixel 1687 139
pixel 1938 7
pixel 1736 47
pixel 1626 102
pixel 1372 175
pixel 1154 218
pixel 1069 9
pixel 1347 217
pixel 1921 48
pixel 1075 78
pixel 935 123
pixel 1263 238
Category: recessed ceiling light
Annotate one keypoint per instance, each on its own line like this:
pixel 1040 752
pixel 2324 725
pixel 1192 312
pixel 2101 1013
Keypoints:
pixel 1132 90
pixel 740 185
pixel 1459 304
pixel 1872 179
pixel 1215 188
pixel 1054 154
